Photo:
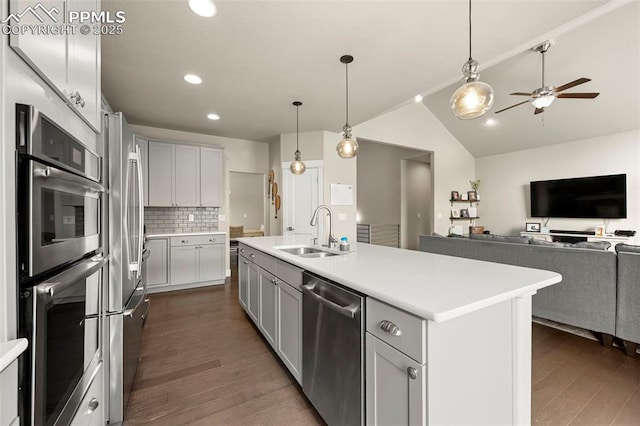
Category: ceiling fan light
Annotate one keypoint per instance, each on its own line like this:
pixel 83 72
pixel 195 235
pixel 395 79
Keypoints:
pixel 543 101
pixel 471 100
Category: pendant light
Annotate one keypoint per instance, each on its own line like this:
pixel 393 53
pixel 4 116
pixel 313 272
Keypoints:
pixel 474 98
pixel 347 147
pixel 297 167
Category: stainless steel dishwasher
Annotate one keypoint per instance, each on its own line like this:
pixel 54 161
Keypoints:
pixel 333 350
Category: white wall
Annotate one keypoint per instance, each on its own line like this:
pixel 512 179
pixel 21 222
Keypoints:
pixel 504 188
pixel 414 126
pixel 310 144
pixel 275 164
pixel 416 211
pixel 239 156
pixel 246 200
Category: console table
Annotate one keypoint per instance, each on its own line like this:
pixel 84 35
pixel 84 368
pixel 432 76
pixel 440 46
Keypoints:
pixel 558 236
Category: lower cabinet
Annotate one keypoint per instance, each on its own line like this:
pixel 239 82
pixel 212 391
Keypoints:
pixel 253 291
pixel 91 409
pixel 243 282
pixel 185 261
pixel 268 307
pixel 289 322
pixel 395 386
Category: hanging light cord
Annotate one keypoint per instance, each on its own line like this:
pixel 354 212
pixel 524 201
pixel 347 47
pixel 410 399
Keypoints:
pixel 347 91
pixel 297 129
pixel 470 30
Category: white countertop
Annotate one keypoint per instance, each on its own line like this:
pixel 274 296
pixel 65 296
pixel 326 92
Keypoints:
pixel 184 234
pixel 431 286
pixel 11 350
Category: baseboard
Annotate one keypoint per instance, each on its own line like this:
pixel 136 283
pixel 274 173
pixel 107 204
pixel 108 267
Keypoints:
pixel 228 273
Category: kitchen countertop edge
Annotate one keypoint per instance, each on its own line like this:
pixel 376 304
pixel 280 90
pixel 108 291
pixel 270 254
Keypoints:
pixel 184 234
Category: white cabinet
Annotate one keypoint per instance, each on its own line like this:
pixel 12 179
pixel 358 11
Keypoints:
pixel 158 262
pixel 161 174
pixel 289 323
pixel 268 307
pixel 210 177
pixel 187 175
pixel 184 175
pixel 91 410
pixel 144 152
pixel 68 62
pixel 396 386
pixel 197 258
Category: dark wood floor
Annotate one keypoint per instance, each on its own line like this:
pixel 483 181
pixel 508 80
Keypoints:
pixel 203 362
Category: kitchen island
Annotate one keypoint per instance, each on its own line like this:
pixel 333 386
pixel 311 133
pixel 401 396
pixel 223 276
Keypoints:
pixel 464 354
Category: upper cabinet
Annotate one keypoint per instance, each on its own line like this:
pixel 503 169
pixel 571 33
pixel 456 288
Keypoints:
pixel 184 175
pixel 69 61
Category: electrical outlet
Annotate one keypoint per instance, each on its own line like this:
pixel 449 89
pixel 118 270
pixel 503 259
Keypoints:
pixel 191 218
pixel 222 218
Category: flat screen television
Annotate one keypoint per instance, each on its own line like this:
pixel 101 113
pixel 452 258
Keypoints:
pixel 595 197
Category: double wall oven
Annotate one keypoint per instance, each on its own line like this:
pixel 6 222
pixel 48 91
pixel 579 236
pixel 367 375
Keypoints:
pixel 61 267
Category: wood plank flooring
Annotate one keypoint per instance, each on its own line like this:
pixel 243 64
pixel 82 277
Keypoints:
pixel 204 363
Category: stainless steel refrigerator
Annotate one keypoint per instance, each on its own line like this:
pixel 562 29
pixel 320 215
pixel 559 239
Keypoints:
pixel 127 301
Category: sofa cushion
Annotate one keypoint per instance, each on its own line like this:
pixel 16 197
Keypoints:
pixel 500 238
pixel 548 243
pixel 627 248
pixel 593 245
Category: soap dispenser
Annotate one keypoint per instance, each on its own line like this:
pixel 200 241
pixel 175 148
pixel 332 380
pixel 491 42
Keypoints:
pixel 344 244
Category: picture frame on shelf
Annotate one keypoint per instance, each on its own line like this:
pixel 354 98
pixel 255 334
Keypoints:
pixel 463 197
pixel 464 213
pixel 599 231
pixel 473 211
pixel 455 213
pixel 455 196
pixel 472 195
pixel 532 226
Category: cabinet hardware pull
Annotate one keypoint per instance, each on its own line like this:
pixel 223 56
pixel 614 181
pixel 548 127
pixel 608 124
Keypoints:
pixel 241 250
pixel 245 262
pixel 413 374
pixel 93 404
pixel 213 240
pixel 252 255
pixel 185 241
pixel 390 328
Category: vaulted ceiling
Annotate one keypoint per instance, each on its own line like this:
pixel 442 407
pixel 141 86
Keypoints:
pixel 256 57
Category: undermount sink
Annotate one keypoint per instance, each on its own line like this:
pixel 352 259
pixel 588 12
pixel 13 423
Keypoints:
pixel 307 251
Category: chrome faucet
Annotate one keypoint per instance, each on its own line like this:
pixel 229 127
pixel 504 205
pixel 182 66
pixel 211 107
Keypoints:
pixel 314 222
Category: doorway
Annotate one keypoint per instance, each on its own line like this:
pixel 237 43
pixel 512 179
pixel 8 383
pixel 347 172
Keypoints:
pixel 246 201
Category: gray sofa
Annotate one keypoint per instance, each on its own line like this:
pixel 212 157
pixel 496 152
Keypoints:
pixel 628 312
pixel 586 296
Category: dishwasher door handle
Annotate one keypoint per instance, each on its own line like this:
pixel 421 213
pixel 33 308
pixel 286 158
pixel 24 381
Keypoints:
pixel 349 311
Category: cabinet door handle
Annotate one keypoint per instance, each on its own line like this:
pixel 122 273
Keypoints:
pixel 213 240
pixel 184 241
pixel 241 250
pixel 390 328
pixel 93 404
pixel 252 256
pixel 413 374
pixel 245 262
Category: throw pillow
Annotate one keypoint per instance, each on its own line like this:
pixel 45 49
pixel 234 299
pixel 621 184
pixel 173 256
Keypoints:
pixel 628 248
pixel 535 242
pixel 594 245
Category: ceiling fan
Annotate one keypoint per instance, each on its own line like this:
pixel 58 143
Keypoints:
pixel 542 97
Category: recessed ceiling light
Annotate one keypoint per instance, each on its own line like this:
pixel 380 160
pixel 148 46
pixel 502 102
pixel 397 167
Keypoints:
pixel 213 116
pixel 491 122
pixel 204 8
pixel 192 78
pixel 418 98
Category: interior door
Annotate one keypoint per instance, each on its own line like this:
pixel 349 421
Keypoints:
pixel 302 194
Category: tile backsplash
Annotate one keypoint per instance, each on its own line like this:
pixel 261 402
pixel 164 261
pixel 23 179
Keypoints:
pixel 176 219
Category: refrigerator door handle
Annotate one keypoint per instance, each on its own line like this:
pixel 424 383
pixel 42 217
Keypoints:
pixel 140 211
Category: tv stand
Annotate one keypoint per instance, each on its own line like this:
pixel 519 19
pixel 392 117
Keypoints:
pixel 577 236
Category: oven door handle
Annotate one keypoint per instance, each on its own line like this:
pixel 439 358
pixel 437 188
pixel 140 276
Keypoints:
pixel 71 277
pixel 53 173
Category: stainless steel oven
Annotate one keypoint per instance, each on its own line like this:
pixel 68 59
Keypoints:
pixel 62 319
pixel 58 196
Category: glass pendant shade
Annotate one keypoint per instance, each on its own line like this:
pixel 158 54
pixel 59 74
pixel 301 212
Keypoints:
pixel 297 167
pixel 347 148
pixel 472 100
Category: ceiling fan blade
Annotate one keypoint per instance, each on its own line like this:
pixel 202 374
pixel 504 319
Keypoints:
pixel 521 94
pixel 512 106
pixel 578 95
pixel 538 111
pixel 572 84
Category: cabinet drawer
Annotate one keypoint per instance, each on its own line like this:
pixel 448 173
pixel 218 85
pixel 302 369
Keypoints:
pixel 412 338
pixel 195 240
pixel 268 263
pixel 292 275
pixel 248 252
